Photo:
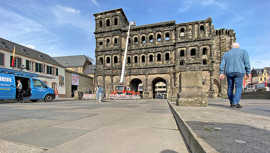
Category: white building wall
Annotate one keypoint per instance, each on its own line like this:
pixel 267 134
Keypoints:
pixel 51 78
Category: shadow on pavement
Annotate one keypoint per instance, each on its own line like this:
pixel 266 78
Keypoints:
pixel 228 137
pixel 168 151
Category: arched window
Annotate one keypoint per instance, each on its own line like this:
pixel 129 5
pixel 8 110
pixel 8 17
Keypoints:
pixel 115 21
pixel 202 28
pixel 193 52
pixel 143 59
pixel 135 59
pixel 115 59
pixel 108 60
pixel 151 38
pixel 167 36
pixel 151 58
pixel 115 41
pixel 159 57
pixel 182 53
pixel 100 43
pixel 204 51
pixel 182 62
pixel 108 22
pixel 108 42
pixel 101 60
pixel 136 40
pixel 182 30
pixel 100 23
pixel 204 61
pixel 129 60
pixel 167 56
pixel 129 40
pixel 158 37
pixel 143 40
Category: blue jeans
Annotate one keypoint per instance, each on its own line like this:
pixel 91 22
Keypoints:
pixel 235 80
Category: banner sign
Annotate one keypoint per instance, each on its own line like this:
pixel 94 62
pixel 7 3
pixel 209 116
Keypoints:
pixel 75 79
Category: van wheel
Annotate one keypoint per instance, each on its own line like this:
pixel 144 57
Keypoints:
pixel 48 98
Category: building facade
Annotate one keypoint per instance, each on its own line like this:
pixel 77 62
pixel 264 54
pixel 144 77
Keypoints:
pixel 30 60
pixel 77 63
pixel 159 52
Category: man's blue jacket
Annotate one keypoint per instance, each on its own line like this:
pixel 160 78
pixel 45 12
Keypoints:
pixel 235 60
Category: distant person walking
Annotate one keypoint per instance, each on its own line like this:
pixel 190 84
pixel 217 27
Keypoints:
pixel 235 65
pixel 99 93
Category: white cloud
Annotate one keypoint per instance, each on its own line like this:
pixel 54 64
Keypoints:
pixel 68 9
pixel 95 2
pixel 67 16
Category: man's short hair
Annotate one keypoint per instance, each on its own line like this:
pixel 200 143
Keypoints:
pixel 235 45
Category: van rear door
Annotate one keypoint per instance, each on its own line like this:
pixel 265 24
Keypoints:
pixel 7 86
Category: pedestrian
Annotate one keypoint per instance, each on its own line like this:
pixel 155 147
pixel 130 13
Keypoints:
pixel 235 65
pixel 19 88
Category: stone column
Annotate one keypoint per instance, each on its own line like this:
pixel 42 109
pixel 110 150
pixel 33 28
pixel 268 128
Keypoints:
pixel 192 89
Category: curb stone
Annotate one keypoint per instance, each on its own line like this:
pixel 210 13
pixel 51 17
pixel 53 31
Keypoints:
pixel 193 142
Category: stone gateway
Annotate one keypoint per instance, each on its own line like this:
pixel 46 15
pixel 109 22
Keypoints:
pixel 159 54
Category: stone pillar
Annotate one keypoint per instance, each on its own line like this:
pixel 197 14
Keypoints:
pixel 192 89
pixel 145 86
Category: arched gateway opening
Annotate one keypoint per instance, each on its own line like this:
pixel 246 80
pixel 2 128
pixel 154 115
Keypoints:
pixel 159 87
pixel 135 85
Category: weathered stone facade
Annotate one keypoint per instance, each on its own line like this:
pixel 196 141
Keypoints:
pixel 159 52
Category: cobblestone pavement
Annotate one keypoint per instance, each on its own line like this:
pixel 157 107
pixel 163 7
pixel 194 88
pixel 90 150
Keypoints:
pixel 135 126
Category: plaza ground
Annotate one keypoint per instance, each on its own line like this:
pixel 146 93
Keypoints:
pixel 89 127
pixel 226 130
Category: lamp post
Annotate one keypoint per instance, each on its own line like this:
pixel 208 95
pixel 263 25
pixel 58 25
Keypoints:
pixel 125 54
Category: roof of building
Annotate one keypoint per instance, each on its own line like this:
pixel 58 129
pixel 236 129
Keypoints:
pixel 112 11
pixel 27 52
pixel 73 61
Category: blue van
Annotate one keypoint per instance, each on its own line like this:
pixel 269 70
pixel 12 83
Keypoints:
pixel 33 89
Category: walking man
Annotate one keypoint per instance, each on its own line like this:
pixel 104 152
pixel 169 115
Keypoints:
pixel 19 88
pixel 235 65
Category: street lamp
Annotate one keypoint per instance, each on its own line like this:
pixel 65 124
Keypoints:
pixel 125 54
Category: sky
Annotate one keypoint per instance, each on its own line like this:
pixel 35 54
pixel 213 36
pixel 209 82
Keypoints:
pixel 66 27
